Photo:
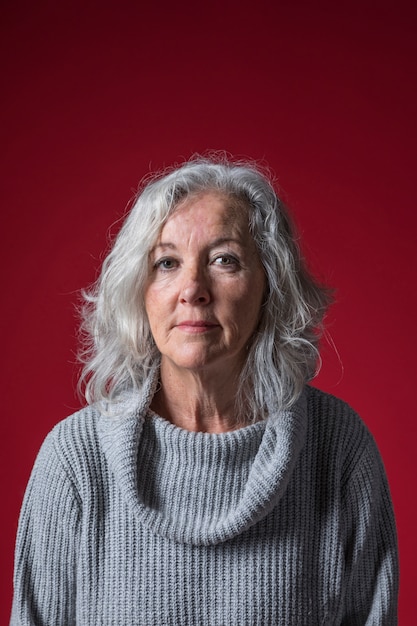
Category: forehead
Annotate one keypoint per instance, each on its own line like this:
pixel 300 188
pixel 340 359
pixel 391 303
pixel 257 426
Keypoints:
pixel 207 212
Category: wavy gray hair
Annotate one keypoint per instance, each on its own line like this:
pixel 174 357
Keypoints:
pixel 119 353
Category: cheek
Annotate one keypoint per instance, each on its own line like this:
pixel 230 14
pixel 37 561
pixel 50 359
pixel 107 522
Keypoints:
pixel 250 311
pixel 249 318
pixel 152 307
pixel 159 307
pixel 155 298
pixel 245 310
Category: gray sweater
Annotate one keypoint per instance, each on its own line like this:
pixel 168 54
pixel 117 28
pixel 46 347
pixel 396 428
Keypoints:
pixel 133 521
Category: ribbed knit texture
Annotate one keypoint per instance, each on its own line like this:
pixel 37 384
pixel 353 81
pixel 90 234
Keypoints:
pixel 134 521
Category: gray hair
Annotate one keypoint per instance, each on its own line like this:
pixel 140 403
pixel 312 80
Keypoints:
pixel 119 353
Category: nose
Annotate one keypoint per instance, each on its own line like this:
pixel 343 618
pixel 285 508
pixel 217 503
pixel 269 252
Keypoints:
pixel 195 287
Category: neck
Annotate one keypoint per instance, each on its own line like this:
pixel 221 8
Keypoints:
pixel 197 401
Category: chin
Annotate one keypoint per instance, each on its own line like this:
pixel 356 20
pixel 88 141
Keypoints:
pixel 199 363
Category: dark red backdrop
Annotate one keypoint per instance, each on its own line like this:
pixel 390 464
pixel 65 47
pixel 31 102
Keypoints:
pixel 98 93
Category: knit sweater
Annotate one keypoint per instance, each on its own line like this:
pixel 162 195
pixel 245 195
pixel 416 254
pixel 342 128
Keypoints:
pixel 135 522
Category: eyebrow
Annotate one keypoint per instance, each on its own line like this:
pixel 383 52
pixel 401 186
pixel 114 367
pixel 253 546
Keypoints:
pixel 213 244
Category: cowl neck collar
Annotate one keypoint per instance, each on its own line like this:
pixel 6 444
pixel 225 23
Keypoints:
pixel 200 488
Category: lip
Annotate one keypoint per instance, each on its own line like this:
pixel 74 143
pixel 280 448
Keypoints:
pixel 196 326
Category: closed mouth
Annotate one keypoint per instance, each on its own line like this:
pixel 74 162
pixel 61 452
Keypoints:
pixel 197 325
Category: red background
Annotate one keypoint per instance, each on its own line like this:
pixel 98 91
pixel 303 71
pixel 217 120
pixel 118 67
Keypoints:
pixel 96 94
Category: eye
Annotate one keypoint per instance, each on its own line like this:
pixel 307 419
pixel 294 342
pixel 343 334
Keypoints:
pixel 165 264
pixel 225 260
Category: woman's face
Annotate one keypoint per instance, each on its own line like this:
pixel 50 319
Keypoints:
pixel 205 287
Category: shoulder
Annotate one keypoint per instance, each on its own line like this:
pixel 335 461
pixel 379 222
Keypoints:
pixel 340 433
pixel 328 405
pixel 86 445
pixel 70 447
pixel 328 411
pixel 78 431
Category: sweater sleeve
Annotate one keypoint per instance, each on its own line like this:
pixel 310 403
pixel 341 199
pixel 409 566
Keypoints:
pixel 371 543
pixel 46 545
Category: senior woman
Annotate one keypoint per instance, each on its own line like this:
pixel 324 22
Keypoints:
pixel 206 483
